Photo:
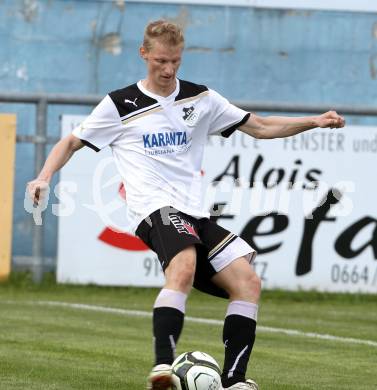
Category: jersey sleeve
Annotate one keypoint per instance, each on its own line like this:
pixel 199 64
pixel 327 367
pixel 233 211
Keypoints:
pixel 225 117
pixel 101 127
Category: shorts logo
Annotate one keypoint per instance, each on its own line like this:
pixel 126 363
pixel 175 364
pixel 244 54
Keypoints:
pixel 182 225
pixel 190 116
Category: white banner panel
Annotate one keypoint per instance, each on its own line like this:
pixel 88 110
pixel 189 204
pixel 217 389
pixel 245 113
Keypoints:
pixel 321 5
pixel 310 211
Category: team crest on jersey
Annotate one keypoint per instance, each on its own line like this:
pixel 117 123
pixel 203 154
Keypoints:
pixel 182 225
pixel 190 116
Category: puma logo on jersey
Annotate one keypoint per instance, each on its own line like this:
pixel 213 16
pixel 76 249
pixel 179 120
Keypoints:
pixel 131 102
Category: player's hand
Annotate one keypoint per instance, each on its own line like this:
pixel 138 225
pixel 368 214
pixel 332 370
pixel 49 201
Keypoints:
pixel 330 119
pixel 37 189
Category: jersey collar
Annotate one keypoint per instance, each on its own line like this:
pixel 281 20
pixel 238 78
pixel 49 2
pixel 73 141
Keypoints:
pixel 160 99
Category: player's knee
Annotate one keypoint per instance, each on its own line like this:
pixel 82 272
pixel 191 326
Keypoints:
pixel 181 271
pixel 255 284
pixel 250 286
pixel 182 281
pixel 185 277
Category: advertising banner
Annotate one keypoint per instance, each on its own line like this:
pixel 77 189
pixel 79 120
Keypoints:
pixel 305 203
pixel 7 159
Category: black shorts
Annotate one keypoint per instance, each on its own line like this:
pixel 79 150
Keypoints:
pixel 168 231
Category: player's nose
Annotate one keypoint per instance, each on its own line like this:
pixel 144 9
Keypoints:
pixel 169 70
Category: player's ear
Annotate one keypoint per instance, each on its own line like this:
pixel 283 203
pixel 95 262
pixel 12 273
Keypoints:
pixel 143 52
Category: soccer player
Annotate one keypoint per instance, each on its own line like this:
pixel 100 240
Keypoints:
pixel 157 129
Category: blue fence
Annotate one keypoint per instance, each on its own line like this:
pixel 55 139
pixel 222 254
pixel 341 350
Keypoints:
pixel 247 54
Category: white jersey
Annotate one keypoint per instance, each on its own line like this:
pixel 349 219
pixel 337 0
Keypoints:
pixel 158 143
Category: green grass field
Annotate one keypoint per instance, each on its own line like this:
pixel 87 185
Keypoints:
pixel 47 346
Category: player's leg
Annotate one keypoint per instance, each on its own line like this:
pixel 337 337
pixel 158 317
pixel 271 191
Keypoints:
pixel 168 315
pixel 243 286
pixel 169 307
pixel 175 247
pixel 228 273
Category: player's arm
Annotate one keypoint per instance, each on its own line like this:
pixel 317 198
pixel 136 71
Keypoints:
pixel 280 126
pixel 58 157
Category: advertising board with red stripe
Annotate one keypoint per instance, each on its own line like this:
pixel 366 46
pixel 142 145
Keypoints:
pixel 305 203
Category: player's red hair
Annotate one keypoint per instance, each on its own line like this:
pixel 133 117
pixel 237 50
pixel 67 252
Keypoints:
pixel 166 32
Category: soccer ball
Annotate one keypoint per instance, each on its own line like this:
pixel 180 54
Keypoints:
pixel 196 371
